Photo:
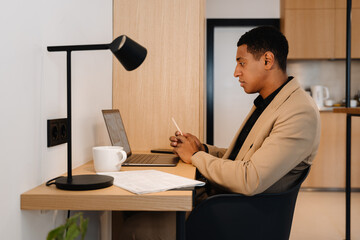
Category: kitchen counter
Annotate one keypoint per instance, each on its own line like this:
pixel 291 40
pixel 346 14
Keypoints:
pixel 329 109
pixel 347 110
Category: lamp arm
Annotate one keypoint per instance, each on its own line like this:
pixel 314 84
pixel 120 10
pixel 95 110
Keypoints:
pixel 78 47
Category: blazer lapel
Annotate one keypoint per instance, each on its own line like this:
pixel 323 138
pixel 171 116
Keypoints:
pixel 280 98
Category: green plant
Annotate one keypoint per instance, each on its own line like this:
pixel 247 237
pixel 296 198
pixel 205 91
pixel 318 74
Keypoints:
pixel 73 227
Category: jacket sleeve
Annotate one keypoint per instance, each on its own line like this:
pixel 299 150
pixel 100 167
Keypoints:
pixel 215 151
pixel 290 139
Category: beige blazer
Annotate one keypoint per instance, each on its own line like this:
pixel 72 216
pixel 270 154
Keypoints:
pixel 283 141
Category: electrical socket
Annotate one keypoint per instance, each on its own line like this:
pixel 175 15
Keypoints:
pixel 57 131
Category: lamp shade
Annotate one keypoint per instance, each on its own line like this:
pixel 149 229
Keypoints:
pixel 128 52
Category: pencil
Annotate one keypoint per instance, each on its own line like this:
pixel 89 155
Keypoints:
pixel 177 126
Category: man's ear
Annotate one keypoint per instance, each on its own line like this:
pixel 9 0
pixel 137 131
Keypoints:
pixel 269 59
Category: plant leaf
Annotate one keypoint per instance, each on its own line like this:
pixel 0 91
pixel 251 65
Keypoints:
pixel 72 232
pixel 71 229
pixel 57 233
pixel 83 228
pixel 72 220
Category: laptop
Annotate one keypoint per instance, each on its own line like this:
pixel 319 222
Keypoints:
pixel 118 137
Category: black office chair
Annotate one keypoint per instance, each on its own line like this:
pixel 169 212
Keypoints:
pixel 235 216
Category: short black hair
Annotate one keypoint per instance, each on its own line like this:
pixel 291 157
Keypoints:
pixel 266 38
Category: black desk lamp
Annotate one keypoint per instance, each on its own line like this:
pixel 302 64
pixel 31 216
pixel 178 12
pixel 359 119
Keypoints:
pixel 131 55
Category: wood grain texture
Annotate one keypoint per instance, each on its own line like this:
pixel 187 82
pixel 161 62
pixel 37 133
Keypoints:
pixel 316 29
pixel 170 81
pixel 111 198
pixel 340 33
pixel 310 33
pixel 347 110
pixel 328 170
pixel 342 4
pixel 355 151
pixel 309 4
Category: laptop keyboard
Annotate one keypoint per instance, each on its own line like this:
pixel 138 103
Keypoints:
pixel 141 158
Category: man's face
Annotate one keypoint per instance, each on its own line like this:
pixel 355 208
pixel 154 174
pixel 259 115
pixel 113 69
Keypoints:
pixel 249 70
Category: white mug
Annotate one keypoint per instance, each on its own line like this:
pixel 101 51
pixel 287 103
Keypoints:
pixel 108 158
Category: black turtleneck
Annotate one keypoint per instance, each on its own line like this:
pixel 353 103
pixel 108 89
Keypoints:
pixel 260 105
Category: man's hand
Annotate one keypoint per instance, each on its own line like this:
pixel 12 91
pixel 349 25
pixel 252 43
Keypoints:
pixel 185 145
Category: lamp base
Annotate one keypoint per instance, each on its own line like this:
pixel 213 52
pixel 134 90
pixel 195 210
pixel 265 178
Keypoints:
pixel 84 182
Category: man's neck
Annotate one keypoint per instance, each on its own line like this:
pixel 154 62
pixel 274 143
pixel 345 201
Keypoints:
pixel 273 82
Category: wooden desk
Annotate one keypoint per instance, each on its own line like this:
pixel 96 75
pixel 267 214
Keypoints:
pixel 113 198
pixel 350 112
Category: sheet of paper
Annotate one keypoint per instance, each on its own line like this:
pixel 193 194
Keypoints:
pixel 148 181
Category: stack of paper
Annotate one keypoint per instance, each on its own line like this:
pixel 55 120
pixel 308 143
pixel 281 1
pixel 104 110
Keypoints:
pixel 148 181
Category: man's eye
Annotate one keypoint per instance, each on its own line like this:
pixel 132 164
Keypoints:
pixel 242 63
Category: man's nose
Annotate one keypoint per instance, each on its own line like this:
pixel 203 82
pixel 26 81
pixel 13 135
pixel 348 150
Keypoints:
pixel 236 72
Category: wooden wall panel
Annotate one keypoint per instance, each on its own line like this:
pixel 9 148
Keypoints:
pixel 170 81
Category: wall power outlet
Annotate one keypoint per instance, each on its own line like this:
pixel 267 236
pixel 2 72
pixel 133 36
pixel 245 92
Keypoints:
pixel 57 131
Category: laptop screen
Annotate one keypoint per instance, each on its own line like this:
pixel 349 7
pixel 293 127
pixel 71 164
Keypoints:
pixel 116 129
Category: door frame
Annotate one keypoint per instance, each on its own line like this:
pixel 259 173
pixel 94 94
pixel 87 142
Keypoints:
pixel 211 23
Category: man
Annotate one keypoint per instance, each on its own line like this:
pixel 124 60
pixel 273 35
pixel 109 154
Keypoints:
pixel 280 136
pixel 277 141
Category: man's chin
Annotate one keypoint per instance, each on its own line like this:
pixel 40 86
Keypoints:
pixel 248 91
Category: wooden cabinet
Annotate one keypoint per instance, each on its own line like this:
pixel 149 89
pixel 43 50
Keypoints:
pixel 309 33
pixel 340 29
pixel 317 29
pixel 328 170
pixel 170 81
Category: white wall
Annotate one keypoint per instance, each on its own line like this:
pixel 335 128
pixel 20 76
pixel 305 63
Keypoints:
pixel 228 95
pixel 231 103
pixel 242 8
pixel 33 89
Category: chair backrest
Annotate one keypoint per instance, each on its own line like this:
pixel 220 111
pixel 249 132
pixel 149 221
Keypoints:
pixel 235 216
